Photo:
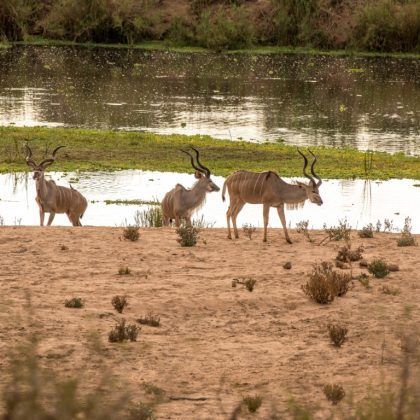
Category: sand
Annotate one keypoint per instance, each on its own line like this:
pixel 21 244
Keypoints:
pixel 216 343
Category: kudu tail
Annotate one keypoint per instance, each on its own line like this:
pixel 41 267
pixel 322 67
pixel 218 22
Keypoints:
pixel 224 191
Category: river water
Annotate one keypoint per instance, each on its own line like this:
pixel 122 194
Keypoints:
pixel 361 202
pixel 367 103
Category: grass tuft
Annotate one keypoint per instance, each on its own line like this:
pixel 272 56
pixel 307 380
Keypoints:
pixel 75 302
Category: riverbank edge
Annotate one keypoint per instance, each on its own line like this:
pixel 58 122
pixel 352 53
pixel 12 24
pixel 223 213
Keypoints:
pixel 257 50
pixel 107 150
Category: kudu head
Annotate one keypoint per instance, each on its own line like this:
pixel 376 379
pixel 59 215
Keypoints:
pixel 39 168
pixel 312 189
pixel 201 172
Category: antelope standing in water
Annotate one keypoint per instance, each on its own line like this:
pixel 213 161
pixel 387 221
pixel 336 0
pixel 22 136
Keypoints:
pixel 52 198
pixel 180 203
pixel 268 189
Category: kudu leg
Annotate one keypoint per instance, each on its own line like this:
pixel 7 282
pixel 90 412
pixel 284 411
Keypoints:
pixel 266 212
pixel 74 219
pixel 41 216
pixel 236 210
pixel 51 218
pixel 228 216
pixel 280 211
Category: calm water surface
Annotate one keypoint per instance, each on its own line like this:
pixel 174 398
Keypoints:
pixel 360 102
pixel 361 202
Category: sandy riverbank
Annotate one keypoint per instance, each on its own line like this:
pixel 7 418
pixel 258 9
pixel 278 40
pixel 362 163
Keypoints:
pixel 215 342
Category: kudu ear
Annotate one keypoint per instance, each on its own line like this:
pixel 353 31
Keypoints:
pixel 198 174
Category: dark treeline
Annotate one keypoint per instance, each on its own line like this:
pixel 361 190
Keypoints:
pixel 373 25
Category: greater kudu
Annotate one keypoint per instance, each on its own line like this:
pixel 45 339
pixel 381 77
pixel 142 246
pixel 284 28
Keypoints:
pixel 52 198
pixel 180 203
pixel 268 189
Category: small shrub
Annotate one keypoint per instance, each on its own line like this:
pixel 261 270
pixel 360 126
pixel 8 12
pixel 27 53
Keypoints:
pixel 150 319
pixel 131 233
pixel 119 303
pixel 338 334
pixel 388 290
pixel 74 303
pixel 406 239
pixel 325 284
pixel 253 403
pixel 132 332
pixel 124 271
pixel 248 230
pixel 334 393
pixel 337 233
pixel 367 231
pixel 117 334
pixel 364 280
pixel 302 227
pixel 248 282
pixel 346 254
pixel 151 217
pixel 122 332
pixel 188 235
pixel 142 412
pixel 388 225
pixel 64 248
pixel 378 268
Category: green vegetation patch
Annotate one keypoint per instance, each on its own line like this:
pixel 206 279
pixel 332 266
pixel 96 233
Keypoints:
pixel 133 202
pixel 93 150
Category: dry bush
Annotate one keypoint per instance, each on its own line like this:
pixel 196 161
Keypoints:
pixel 378 268
pixel 252 402
pixel 406 239
pixel 364 280
pixel 248 230
pixel 150 319
pixel 389 290
pixel 325 284
pixel 122 332
pixel 119 303
pixel 131 233
pixel 338 233
pixel 124 271
pixel 188 235
pixel 338 334
pixel 248 282
pixel 334 393
pixel 346 254
pixel 366 232
pixel 75 302
pixel 302 227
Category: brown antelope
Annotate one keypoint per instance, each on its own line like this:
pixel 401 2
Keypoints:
pixel 52 198
pixel 268 189
pixel 180 203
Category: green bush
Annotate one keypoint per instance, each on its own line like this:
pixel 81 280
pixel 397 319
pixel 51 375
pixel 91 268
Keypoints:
pixel 151 217
pixel 15 17
pixel 378 268
pixel 388 25
pixel 218 29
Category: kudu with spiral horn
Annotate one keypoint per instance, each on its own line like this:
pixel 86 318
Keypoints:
pixel 52 198
pixel 180 203
pixel 268 189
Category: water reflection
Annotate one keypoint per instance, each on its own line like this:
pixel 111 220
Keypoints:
pixel 360 102
pixel 361 202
